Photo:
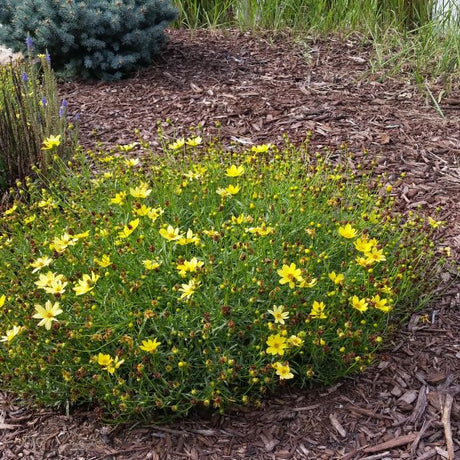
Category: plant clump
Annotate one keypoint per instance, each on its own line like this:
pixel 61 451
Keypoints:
pixel 34 124
pixel 93 39
pixel 201 277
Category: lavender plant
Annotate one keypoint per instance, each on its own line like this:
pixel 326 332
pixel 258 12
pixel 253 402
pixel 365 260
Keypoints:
pixel 31 114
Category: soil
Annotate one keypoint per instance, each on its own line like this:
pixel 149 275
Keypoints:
pixel 261 88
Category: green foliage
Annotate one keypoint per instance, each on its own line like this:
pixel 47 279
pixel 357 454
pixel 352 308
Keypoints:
pixel 201 277
pixel 423 53
pixel 321 15
pixel 205 13
pixel 408 36
pixel 30 112
pixel 97 38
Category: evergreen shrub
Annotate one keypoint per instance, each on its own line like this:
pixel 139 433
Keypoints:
pixel 202 277
pixel 104 39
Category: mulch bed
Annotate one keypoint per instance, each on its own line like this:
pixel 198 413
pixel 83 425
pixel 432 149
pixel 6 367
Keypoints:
pixel 261 88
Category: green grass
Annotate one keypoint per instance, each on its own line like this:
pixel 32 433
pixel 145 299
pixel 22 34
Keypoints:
pixel 201 276
pixel 407 39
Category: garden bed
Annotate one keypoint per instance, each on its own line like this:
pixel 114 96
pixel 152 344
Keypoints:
pixel 259 88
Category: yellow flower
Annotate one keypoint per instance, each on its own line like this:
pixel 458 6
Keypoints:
pixel 47 203
pixel 233 189
pixel 177 145
pixel 279 314
pixel 197 173
pixel 347 231
pixel 106 159
pixel 151 264
pixel 155 213
pixel 141 191
pixel 359 304
pixel 86 284
pixel 336 278
pixel 261 231
pixel 434 223
pixel 11 210
pixel 132 162
pixel 51 283
pixel 119 198
pixel 211 233
pixel 2 300
pixel 363 261
pixel 47 314
pixel 235 171
pixel 142 211
pixel 200 169
pixel 51 142
pixel 261 148
pixel 229 191
pixel 170 233
pixel 104 261
pixel 317 310
pixel 40 263
pixel 192 175
pixel 308 283
pixel 104 360
pixel 45 280
pixel 59 244
pixel 127 147
pixel 80 236
pixel 11 333
pixel 115 364
pixel 241 219
pixel 290 274
pixel 30 219
pixel 375 255
pixel 108 363
pixel 276 345
pixel 150 346
pixel 188 289
pixel 386 290
pixel 189 238
pixel 295 341
pixel 56 287
pixel 363 244
pixel 283 371
pixel 381 304
pixel 194 141
pixel 128 229
pixel 189 266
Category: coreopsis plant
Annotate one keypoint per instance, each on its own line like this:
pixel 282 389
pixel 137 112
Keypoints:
pixel 201 277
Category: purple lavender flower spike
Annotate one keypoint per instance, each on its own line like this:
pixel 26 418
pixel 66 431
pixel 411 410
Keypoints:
pixel 25 77
pixel 29 42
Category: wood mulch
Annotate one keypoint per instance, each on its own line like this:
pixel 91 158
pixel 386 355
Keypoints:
pixel 260 88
